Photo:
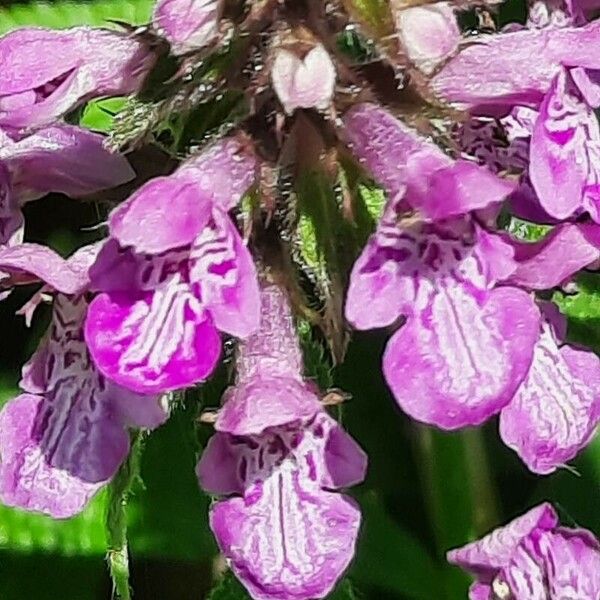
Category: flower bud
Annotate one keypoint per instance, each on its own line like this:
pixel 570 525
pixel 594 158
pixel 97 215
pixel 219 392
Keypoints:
pixel 429 34
pixel 188 24
pixel 303 78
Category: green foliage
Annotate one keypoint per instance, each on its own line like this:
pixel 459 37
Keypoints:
pixel 69 13
pixel 583 310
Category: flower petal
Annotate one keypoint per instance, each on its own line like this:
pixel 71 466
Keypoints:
pixel 555 410
pixel 64 159
pixel 559 161
pixel 555 258
pixel 262 402
pixel 223 172
pixel 475 77
pixel 152 342
pixel 27 480
pixel 227 277
pixel 459 362
pixel 27 263
pixel 494 551
pixel 165 213
pixel 218 470
pixel 288 543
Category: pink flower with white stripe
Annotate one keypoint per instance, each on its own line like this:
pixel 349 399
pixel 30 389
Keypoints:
pixel 174 273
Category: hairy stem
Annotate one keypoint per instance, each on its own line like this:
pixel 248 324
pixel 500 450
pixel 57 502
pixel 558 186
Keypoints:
pixel 116 519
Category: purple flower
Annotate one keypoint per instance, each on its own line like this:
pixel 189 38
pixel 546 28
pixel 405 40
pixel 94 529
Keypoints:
pixel 65 436
pixel 172 274
pixel 46 73
pixel 188 24
pixel 532 558
pixel 285 531
pixel 467 343
pixel 472 344
pixel 61 158
pixel 429 34
pixel 304 80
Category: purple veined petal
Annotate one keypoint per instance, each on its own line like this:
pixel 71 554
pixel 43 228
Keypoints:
pixel 429 34
pixel 559 255
pixel 458 362
pixel 382 144
pixel 588 84
pixel 223 267
pixel 559 164
pixel 11 218
pixel 224 172
pixel 188 24
pixel 573 563
pixel 47 72
pixel 378 279
pixel 556 409
pixel 556 321
pixel 296 552
pixel 26 479
pixel 496 254
pixel 118 269
pixel 524 576
pixel 494 551
pixel 219 466
pixel 264 402
pixel 475 78
pixel 152 342
pixel 440 191
pixel 29 263
pixel 64 159
pixel 345 461
pixel 165 213
pixel 303 82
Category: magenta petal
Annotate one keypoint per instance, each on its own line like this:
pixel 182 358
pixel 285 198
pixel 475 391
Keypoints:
pixel 556 409
pixel 452 190
pixel 64 159
pixel 164 213
pixel 262 402
pixel 345 461
pixel 293 552
pixel 495 550
pixel 458 363
pixel 27 263
pixel 554 259
pixel 27 480
pixel 224 268
pixel 223 172
pixel 558 158
pixel 152 342
pixel 218 469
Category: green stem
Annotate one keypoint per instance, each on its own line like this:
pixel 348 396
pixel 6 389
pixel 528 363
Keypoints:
pixel 116 519
pixel 458 491
pixel 485 512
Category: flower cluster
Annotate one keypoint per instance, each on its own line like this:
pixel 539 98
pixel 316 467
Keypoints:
pixel 201 253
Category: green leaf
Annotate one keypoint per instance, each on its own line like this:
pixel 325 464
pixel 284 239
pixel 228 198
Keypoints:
pixel 583 310
pixel 99 115
pixel 69 13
